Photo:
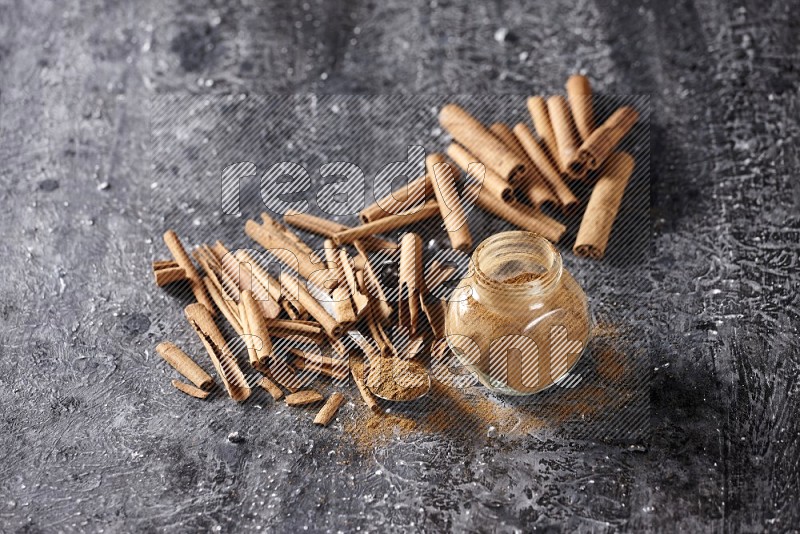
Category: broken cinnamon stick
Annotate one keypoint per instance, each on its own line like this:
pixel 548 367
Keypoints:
pixel 537 107
pixel 195 283
pixel 387 224
pixel 550 173
pixel 295 288
pixel 469 132
pixel 167 271
pixel 182 363
pixel 190 390
pixel 444 178
pixel 493 183
pixel 271 388
pixel 301 398
pixel 259 344
pixel 598 220
pixel 221 356
pixel 357 372
pixel 410 281
pixel 602 142
pixel 328 228
pixel 329 409
pixel 579 93
pixel 372 284
pixel 285 247
pixel 566 141
pixel 403 199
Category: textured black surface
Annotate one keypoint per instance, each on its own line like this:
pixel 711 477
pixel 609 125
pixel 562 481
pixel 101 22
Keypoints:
pixel 92 437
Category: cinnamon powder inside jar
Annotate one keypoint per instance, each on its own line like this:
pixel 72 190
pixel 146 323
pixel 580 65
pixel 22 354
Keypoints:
pixel 521 321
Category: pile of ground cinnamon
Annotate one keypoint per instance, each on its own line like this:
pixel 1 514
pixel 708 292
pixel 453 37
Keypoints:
pixel 397 379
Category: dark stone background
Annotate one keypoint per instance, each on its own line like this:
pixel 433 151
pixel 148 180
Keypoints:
pixel 92 437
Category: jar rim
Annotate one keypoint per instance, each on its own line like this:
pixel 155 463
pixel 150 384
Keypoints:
pixel 540 283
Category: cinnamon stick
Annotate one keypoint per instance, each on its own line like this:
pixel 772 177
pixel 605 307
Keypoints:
pixel 537 107
pixel 167 271
pixel 535 187
pixel 360 300
pixel 271 388
pixel 579 93
pixel 273 287
pixel 331 325
pixel 566 141
pixel 259 344
pixel 410 281
pixel 221 356
pixel 228 308
pixel 190 390
pixel 479 141
pixel 357 371
pixel 329 409
pixel 328 228
pixel 342 306
pixel 520 215
pixel 184 262
pixel 404 199
pixel 387 224
pixel 444 178
pixel 493 183
pixel 301 398
pixel 603 206
pixel 602 142
pixel 182 363
pixel 550 173
pixel 244 279
pixel 285 247
pixel 373 284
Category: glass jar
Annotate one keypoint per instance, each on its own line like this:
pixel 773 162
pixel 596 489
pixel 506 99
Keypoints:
pixel 520 321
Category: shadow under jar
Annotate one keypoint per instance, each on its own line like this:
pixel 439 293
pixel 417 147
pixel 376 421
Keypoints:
pixel 521 321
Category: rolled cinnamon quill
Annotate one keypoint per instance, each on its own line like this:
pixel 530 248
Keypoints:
pixel 167 272
pixel 271 387
pixel 360 299
pixel 357 372
pixel 190 390
pixel 550 173
pixel 327 228
pixel 286 247
pixel 298 290
pixel 387 224
pixel 221 356
pixel 229 308
pixel 184 262
pixel 328 411
pixel 415 192
pixel 468 131
pixel 444 178
pixel 534 186
pixel 182 363
pixel 566 136
pixel 410 282
pixel 372 283
pixel 520 215
pixel 537 107
pixel 259 344
pixel 301 398
pixel 603 206
pixel 602 142
pixel 579 93
pixel 493 183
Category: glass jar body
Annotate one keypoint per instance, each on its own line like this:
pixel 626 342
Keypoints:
pixel 521 321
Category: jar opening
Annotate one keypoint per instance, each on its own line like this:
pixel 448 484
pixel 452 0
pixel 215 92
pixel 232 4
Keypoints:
pixel 517 263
